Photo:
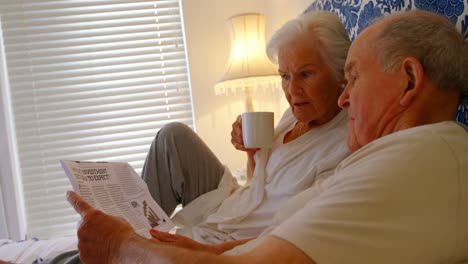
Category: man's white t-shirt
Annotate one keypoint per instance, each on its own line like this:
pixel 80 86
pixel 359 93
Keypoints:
pixel 402 198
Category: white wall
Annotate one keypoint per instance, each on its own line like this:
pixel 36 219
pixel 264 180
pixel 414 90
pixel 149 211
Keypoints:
pixel 208 45
pixel 281 11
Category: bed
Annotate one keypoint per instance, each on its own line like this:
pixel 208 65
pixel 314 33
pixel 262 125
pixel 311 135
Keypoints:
pixel 34 250
pixel 356 15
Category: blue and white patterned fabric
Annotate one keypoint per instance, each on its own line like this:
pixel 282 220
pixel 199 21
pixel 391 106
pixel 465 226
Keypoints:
pixel 462 114
pixel 356 15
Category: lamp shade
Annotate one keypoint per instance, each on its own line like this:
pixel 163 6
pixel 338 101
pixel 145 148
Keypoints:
pixel 249 67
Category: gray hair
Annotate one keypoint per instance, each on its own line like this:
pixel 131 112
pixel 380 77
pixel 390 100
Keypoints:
pixel 431 39
pixel 324 26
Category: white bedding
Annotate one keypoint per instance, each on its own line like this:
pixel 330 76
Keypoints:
pixel 28 251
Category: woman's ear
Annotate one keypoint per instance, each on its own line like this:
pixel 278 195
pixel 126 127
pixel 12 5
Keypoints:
pixel 413 75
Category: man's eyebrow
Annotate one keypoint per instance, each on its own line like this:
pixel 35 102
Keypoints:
pixel 348 67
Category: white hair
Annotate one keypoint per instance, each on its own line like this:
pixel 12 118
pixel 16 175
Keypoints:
pixel 326 27
pixel 431 39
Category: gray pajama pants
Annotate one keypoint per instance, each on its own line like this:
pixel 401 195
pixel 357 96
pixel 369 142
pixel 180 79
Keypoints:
pixel 179 167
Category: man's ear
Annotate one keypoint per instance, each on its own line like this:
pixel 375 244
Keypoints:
pixel 413 75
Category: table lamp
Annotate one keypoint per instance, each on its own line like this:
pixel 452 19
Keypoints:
pixel 249 68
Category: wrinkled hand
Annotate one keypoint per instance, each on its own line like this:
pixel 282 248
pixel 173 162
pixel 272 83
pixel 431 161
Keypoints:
pixel 236 136
pixel 100 236
pixel 183 242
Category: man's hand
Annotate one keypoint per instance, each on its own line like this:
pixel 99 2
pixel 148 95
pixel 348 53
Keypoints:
pixel 99 235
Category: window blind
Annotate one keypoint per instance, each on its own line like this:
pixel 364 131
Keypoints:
pixel 89 80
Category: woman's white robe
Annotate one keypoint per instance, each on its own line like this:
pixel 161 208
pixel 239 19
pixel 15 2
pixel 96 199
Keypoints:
pixel 233 212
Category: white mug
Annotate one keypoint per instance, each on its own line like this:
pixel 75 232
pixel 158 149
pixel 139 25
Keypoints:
pixel 257 129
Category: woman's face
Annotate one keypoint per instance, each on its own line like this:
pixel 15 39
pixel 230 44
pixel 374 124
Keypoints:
pixel 308 84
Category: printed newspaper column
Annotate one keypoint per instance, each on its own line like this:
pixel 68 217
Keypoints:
pixel 115 188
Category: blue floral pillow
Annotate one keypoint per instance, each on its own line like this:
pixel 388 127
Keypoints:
pixel 462 114
pixel 358 14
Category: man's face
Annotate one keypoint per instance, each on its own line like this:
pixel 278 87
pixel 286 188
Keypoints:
pixel 371 95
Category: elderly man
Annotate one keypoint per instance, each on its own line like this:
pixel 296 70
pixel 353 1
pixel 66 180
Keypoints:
pixel 401 197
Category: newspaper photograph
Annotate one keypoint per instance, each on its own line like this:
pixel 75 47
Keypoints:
pixel 116 189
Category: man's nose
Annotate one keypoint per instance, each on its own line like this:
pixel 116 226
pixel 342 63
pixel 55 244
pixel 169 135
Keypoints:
pixel 343 100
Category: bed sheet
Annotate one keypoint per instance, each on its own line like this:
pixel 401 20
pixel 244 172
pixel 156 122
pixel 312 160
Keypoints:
pixel 28 251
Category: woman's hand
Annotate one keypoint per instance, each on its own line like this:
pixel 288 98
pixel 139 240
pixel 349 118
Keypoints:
pixel 236 134
pixel 183 242
pixel 188 243
pixel 238 142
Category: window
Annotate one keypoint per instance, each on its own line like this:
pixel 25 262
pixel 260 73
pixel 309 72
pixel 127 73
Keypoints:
pixel 88 80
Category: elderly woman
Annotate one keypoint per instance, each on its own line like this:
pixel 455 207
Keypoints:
pixel 309 142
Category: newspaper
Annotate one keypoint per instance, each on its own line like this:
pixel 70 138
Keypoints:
pixel 116 189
